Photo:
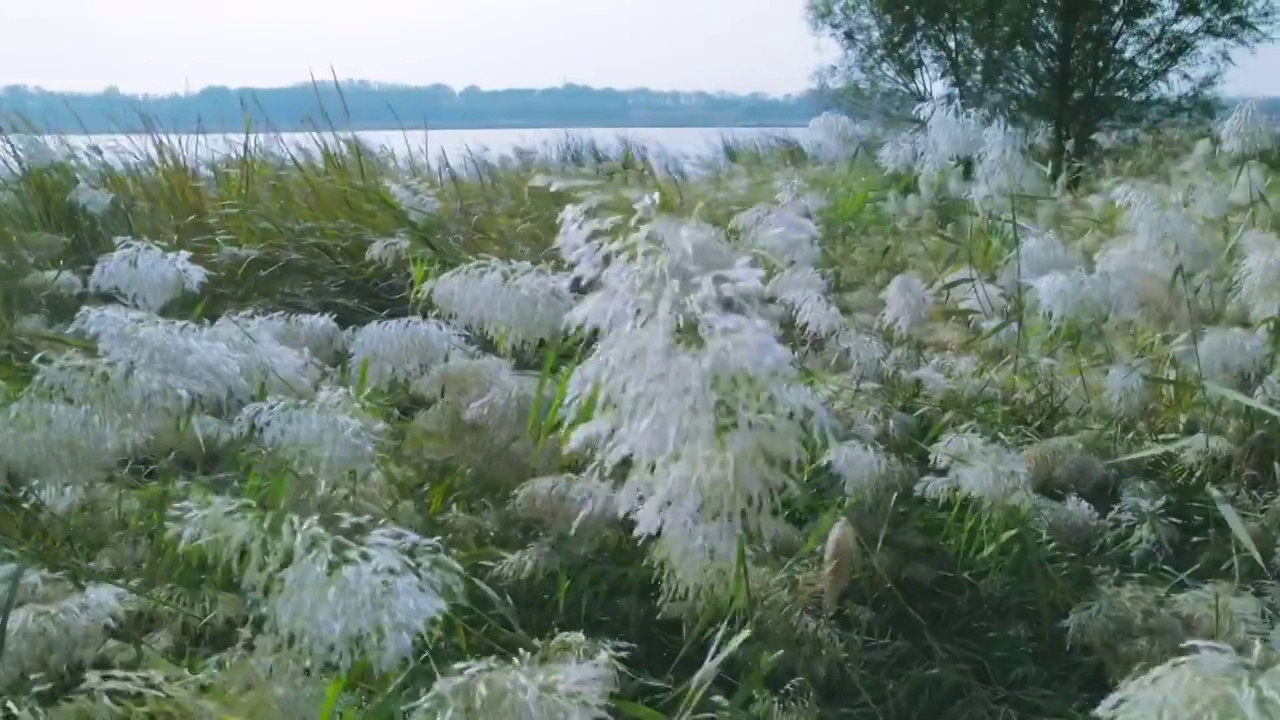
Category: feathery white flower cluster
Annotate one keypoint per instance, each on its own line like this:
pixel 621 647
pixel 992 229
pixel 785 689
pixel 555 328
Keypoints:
pixel 388 252
pixel 144 276
pixel 950 133
pixel 328 436
pixel 832 136
pixel 864 467
pixel 1257 274
pixel 1064 291
pixel 95 201
pixel 386 352
pixel 1001 169
pixel 58 282
pixel 516 303
pixel 1132 277
pixel 1247 132
pixel 79 416
pixel 1126 389
pixel 317 334
pixel 1143 630
pixel 1229 355
pixel 417 199
pixel 488 391
pixel 1212 681
pixel 54 626
pixel 1039 253
pixel 175 365
pixel 567 501
pixel 1157 227
pixel 978 468
pixel 783 233
pixel 364 591
pixel 790 240
pixel 569 677
pixel 947 373
pixel 907 301
pixel 690 387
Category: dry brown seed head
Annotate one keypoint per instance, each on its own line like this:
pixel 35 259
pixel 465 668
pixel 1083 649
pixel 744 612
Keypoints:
pixel 841 558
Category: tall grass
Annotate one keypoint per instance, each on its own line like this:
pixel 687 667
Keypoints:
pixel 890 429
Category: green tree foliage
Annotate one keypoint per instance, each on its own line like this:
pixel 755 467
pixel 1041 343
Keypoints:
pixel 368 105
pixel 1076 65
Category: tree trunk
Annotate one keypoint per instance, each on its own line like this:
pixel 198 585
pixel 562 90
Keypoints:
pixel 1062 95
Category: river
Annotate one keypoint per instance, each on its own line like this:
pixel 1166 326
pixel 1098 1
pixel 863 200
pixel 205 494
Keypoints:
pixel 419 144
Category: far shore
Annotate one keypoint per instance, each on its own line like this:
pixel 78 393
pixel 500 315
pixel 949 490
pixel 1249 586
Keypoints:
pixel 273 128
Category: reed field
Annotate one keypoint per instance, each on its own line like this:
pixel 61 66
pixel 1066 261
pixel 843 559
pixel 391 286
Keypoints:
pixel 879 425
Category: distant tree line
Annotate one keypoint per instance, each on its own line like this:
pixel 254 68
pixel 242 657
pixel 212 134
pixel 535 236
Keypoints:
pixel 369 105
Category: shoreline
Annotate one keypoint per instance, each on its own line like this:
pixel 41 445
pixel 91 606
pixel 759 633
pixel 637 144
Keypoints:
pixel 384 127
pixel 266 128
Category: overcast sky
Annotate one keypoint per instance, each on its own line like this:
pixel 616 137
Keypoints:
pixel 169 45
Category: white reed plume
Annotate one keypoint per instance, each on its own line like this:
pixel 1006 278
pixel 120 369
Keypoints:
pixel 144 276
pixel 568 677
pixel 516 303
pixel 387 352
pixel 692 387
pixel 330 597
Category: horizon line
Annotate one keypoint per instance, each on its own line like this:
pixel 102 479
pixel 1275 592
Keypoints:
pixel 379 84
pixel 386 85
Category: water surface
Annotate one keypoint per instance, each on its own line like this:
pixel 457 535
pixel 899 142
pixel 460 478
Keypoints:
pixel 422 145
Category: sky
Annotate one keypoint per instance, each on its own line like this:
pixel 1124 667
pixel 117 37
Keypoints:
pixel 162 46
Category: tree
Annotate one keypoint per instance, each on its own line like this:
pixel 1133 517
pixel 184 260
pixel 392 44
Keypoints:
pixel 1076 65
